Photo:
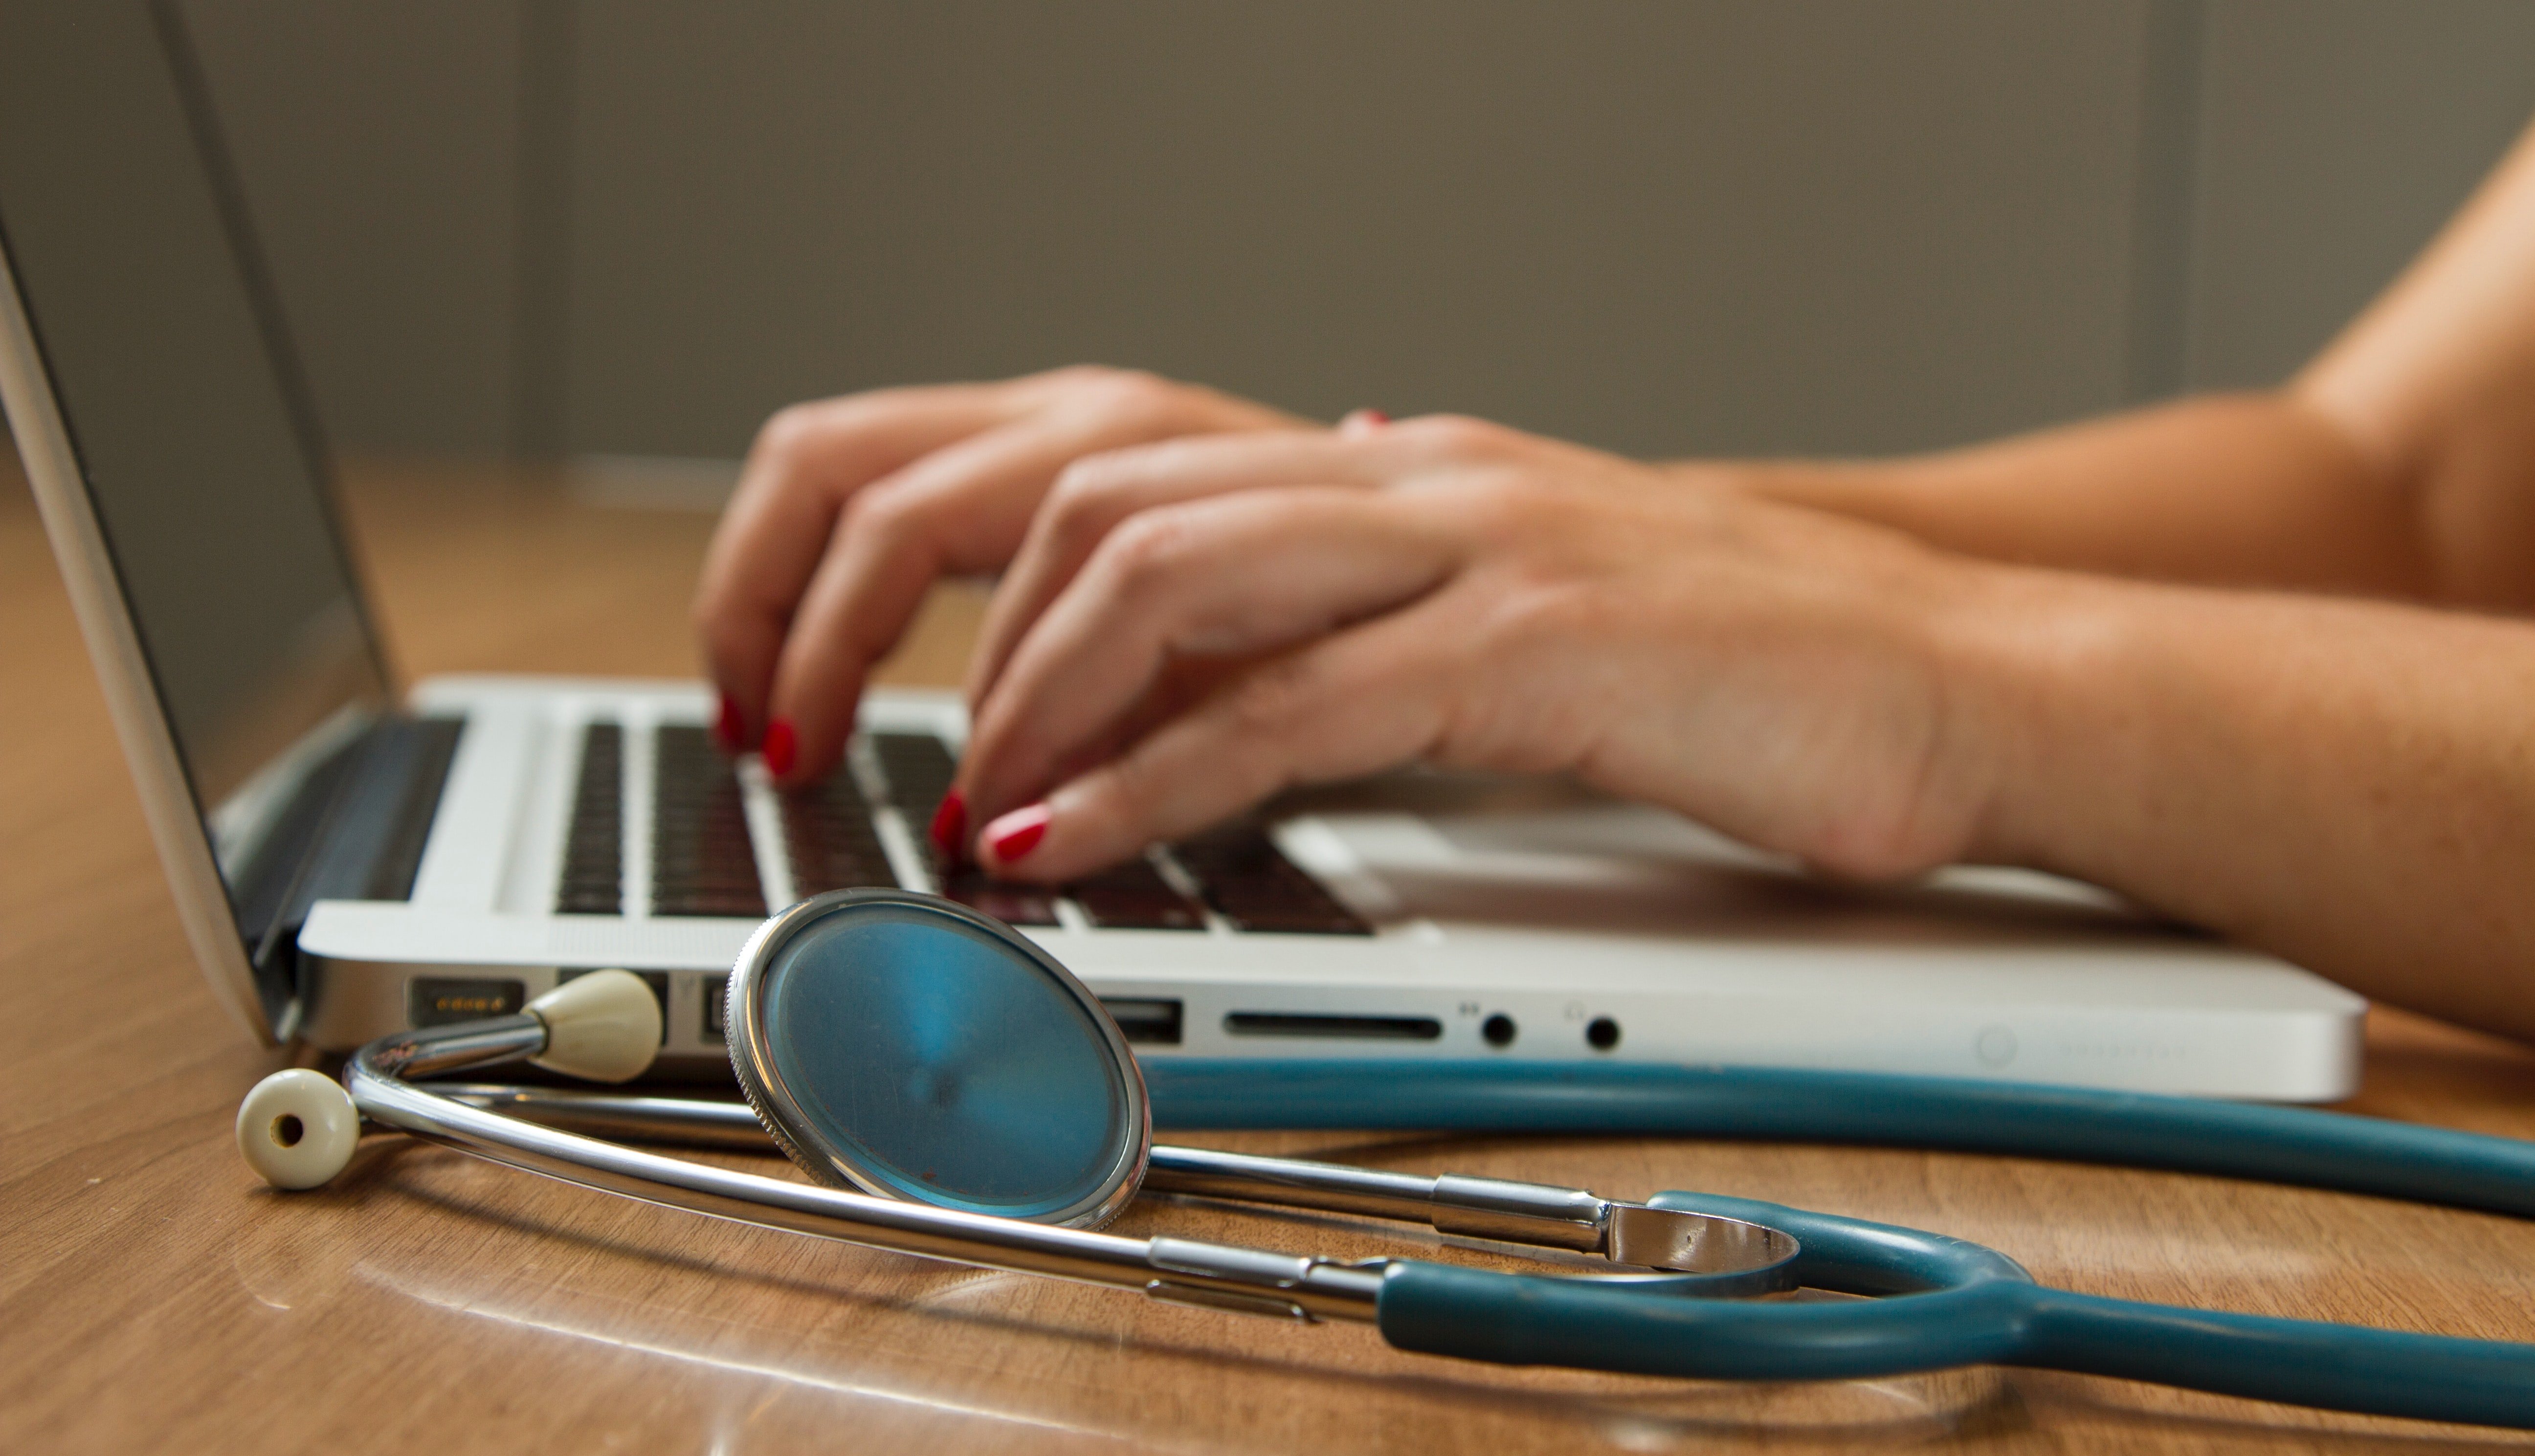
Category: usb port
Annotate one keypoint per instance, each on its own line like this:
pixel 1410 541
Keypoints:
pixel 1153 1022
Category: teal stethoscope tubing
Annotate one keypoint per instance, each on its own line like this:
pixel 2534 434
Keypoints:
pixel 1948 1303
pixel 2133 1129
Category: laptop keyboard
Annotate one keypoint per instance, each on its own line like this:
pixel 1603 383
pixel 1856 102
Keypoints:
pixel 918 770
pixel 1250 883
pixel 593 855
pixel 1134 896
pixel 829 841
pixel 703 862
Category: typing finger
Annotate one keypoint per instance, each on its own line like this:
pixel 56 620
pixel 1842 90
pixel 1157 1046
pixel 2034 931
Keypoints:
pixel 1371 698
pixel 1225 577
pixel 961 508
pixel 1099 492
pixel 807 462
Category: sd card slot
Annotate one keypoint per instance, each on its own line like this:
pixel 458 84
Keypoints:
pixel 1352 1028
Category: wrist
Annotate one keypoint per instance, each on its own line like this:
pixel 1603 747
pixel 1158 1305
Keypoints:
pixel 2029 736
pixel 1841 487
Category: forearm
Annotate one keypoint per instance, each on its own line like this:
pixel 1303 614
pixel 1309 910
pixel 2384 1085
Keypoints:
pixel 2349 785
pixel 2254 490
pixel 2395 463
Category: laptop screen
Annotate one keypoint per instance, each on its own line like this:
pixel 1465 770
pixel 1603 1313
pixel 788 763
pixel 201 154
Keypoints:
pixel 166 357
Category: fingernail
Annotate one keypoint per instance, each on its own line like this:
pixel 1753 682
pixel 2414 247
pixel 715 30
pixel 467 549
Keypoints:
pixel 1016 834
pixel 727 727
pixel 1362 421
pixel 951 824
pixel 782 743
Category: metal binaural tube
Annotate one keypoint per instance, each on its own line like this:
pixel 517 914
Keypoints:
pixel 1275 1283
pixel 1542 1215
pixel 1537 1214
pixel 435 1049
pixel 1333 1186
pixel 687 1121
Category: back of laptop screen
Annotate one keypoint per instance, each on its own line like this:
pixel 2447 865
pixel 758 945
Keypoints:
pixel 173 382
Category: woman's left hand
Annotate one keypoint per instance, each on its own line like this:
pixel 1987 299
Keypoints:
pixel 1191 627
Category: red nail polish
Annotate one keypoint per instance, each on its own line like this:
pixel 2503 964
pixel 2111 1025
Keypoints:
pixel 729 728
pixel 1016 834
pixel 951 824
pixel 1361 422
pixel 782 743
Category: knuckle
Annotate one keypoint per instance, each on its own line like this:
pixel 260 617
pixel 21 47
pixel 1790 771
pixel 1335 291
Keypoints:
pixel 1457 436
pixel 1080 375
pixel 1267 700
pixel 885 512
pixel 1106 481
pixel 1132 398
pixel 1079 504
pixel 787 434
pixel 1146 552
pixel 1499 506
pixel 1085 484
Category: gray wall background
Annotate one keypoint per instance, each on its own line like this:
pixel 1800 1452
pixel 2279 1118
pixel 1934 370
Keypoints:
pixel 542 226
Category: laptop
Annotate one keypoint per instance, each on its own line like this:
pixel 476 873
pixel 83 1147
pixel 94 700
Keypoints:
pixel 351 858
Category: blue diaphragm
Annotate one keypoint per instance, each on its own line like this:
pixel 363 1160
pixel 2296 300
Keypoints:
pixel 910 1047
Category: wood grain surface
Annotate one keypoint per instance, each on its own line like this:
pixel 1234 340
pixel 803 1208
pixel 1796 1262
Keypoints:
pixel 155 1296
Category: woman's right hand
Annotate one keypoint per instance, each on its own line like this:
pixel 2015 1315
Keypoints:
pixel 848 509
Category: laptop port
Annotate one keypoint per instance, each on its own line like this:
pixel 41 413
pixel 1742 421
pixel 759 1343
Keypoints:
pixel 1355 1028
pixel 1151 1022
pixel 1499 1030
pixel 438 1000
pixel 716 1005
pixel 1602 1033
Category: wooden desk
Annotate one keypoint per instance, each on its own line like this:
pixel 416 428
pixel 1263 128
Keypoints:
pixel 156 1296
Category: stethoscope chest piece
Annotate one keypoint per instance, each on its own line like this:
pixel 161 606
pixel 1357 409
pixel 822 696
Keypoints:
pixel 907 1046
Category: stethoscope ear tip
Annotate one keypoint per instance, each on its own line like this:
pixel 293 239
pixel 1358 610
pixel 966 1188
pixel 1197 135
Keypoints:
pixel 298 1128
pixel 603 1027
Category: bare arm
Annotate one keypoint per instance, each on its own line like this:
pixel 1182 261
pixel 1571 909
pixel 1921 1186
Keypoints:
pixel 2348 784
pixel 2400 462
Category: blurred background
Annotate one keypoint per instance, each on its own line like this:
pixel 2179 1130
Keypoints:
pixel 619 234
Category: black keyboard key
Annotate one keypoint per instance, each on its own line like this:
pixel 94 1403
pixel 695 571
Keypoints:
pixel 1134 896
pixel 733 904
pixel 1013 904
pixel 593 852
pixel 918 770
pixel 702 860
pixel 1249 881
pixel 829 839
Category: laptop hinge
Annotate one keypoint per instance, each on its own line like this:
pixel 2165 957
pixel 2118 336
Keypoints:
pixel 355 830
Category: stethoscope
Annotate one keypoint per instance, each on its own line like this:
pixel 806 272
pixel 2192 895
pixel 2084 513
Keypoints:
pixel 955 1092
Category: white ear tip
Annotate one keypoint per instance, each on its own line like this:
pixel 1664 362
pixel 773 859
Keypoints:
pixel 603 1026
pixel 298 1128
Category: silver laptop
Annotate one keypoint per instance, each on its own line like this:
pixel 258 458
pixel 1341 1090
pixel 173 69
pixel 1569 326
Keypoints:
pixel 350 861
